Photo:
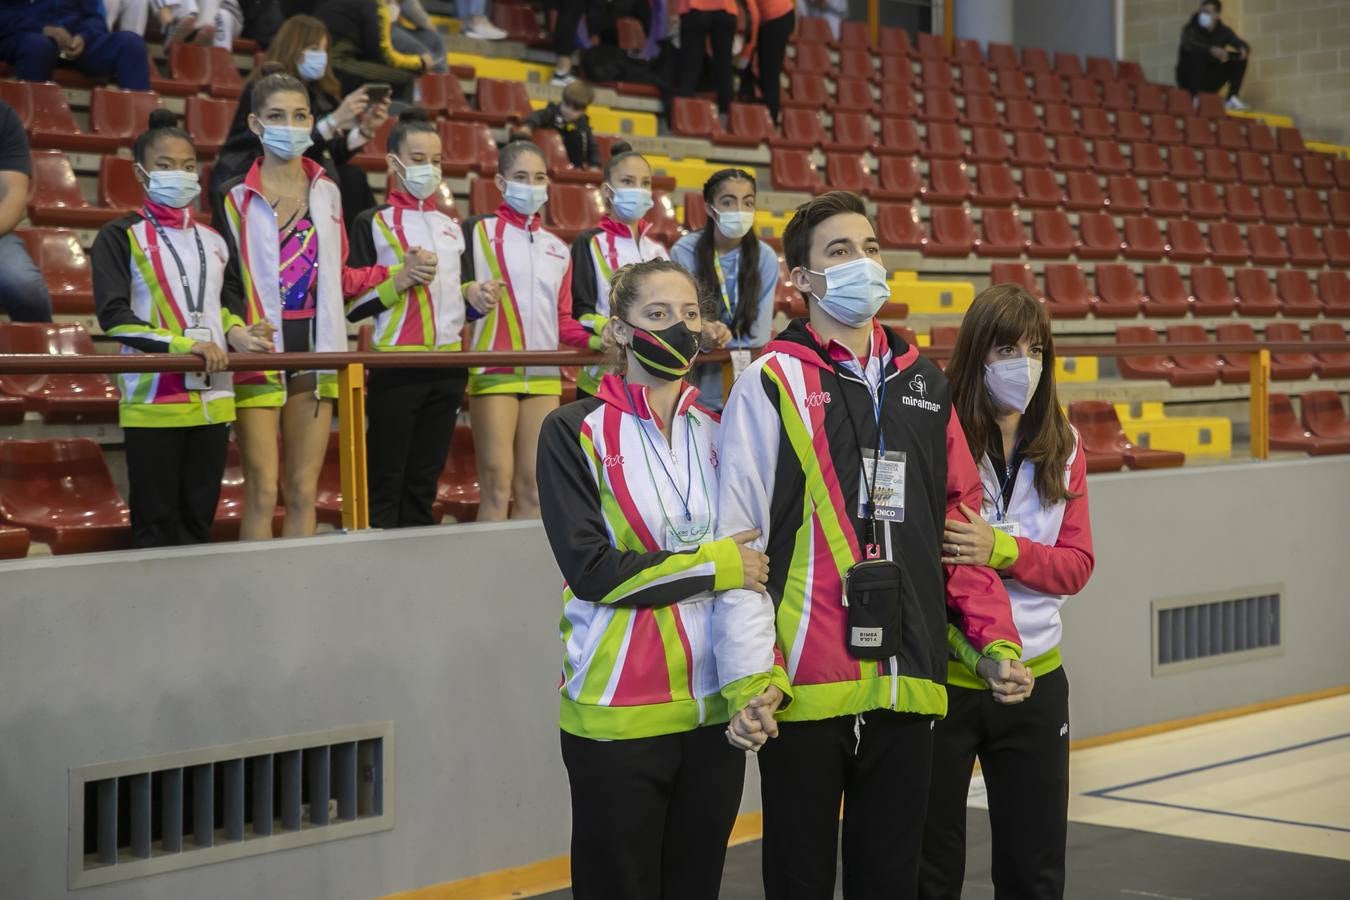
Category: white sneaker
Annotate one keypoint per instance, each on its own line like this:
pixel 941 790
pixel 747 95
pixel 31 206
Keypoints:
pixel 1235 103
pixel 484 32
pixel 562 79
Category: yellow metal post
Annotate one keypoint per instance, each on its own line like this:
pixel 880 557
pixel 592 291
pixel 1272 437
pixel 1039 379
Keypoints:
pixel 874 20
pixel 949 25
pixel 1260 412
pixel 352 446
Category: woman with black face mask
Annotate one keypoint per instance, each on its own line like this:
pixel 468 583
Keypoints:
pixel 628 492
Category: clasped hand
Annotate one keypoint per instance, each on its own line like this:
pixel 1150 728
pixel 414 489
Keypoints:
pixel 751 728
pixel 1009 680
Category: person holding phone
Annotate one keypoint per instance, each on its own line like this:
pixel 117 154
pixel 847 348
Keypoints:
pixel 654 786
pixel 157 285
pixel 288 268
pixel 1033 527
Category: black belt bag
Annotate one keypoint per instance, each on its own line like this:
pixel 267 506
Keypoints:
pixel 872 595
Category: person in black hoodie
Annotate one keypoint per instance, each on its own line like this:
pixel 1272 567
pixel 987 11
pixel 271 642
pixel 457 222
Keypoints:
pixel 1212 56
pixel 569 119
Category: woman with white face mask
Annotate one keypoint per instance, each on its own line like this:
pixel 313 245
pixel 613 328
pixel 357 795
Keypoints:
pixel 731 266
pixel 157 285
pixel 1033 527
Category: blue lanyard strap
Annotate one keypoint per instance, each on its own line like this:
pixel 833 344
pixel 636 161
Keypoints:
pixel 688 493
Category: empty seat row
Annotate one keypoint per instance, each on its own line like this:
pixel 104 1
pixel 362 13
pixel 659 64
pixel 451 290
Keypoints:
pixel 1191 369
pixel 1105 445
pixel 1322 428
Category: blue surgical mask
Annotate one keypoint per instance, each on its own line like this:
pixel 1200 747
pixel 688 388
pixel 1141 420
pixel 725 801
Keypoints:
pixel 420 181
pixel 854 291
pixel 313 63
pixel 526 199
pixel 734 225
pixel 285 141
pixel 631 204
pixel 1205 20
pixel 172 187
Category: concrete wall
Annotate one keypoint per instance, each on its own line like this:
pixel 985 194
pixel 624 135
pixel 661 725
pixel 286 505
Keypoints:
pixel 1085 27
pixel 1300 63
pixel 451 633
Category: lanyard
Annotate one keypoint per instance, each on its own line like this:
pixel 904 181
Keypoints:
pixel 722 282
pixel 872 550
pixel 688 494
pixel 1009 476
pixel 195 311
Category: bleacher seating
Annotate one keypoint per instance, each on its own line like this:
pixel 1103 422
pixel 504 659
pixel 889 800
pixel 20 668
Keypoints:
pixel 1097 422
pixel 62 398
pixel 1288 433
pixel 62 493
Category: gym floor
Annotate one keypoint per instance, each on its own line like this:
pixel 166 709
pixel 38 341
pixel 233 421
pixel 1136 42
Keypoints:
pixel 1250 808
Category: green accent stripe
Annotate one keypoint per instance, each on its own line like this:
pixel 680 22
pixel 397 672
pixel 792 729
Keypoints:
pixel 959 676
pixel 812 702
pixel 618 723
pixel 164 314
pixel 605 656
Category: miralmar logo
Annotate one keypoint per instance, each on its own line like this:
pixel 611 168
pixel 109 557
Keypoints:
pixel 920 387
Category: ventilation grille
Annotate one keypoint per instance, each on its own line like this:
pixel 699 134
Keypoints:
pixel 1218 629
pixel 142 817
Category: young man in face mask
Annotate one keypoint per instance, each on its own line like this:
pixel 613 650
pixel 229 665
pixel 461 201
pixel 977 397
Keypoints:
pixel 1212 56
pixel 840 445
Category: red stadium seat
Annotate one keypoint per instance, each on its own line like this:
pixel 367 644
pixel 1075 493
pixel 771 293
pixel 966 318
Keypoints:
pixel 444 198
pixel 815 30
pixel 1108 160
pixel 1290 333
pixel 440 94
pixel 995 186
pixel 1047 87
pixel 1095 124
pixel 1304 248
pixel 468 147
pixel 899 228
pixel 1124 196
pixel 1147 162
pixel 1117 292
pixel 1002 234
pixel 1199 132
pixel 1208 363
pixel 858 65
pixel 898 178
pixel 122 115
pixel 1165 294
pixel 930 46
pixel 897 100
pixel 457 488
pixel 1332 360
pixel 1129 70
pixel 1019 274
pixel 1098 237
pixel 371 156
pixel 939 106
pixel 520 22
pixel 59 399
pixel 988 145
pixel 54 196
pixel 791 170
pixel 665 224
pixel 692 117
pixel 1143 240
pixel 1203 201
pixel 1218 166
pixel 802 129
pixel 1099 426
pixel 498 102
pixel 1251 169
pixel 1052 235
pixel 975 80
pixel 1266 247
pixel 484 198
pixel 1085 94
pixel 811 58
pixel 46 116
pixel 953 233
pixel 936 74
pixel 1284 171
pixel 968 51
pixel 1254 294
pixel 14 542
pixel 1040 189
pixel 899 137
pixel 1154 367
pixel 1058 118
pixel 852 130
pixel 1340 208
pixel 1163 130
pixel 1101 69
pixel 62 492
pixel 695 211
pixel 1117 96
pixel 1072 154
pixel 1185 243
pixel 1226 244
pixel 1029 149
pixel 750 126
pixel 212 67
pixel 1310 209
pixel 1069 65
pixel 1230 134
pixel 1287 433
pixel 208 121
pixel 1290 140
pixel 1164 198
pixel 1211 106
pixel 1179 102
pixel 944 141
pixel 981 109
pixel 848 172
pixel 1317 172
pixel 1324 415
pixel 896 70
pixel 855 94
pixel 1183 164
pixel 1237 366
pixel 230 505
pixel 1020 115
pixel 1083 192
pixel 1150 98
pixel 572 208
pixel 1241 203
pixel 1334 289
pixel 1066 291
pixel 65 268
pixel 1002 56
pixel 1259 137
pixel 1295 290
pixel 894 41
pixel 1213 295
pixel 1337 244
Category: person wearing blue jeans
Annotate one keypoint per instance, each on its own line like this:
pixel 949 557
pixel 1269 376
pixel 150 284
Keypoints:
pixel 23 293
pixel 38 35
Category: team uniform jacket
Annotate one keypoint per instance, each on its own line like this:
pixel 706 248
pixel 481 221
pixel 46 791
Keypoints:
pixel 139 296
pixel 596 255
pixel 533 312
pixel 252 280
pixel 426 317
pixel 791 467
pixel 637 603
pixel 1050 558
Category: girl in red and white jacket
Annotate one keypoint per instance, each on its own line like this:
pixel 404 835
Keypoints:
pixel 1033 529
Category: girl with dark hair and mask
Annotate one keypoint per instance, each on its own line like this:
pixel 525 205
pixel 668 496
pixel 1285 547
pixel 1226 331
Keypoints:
pixel 733 268
pixel 628 490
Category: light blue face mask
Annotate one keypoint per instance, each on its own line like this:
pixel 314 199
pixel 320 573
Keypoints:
pixel 854 291
pixel 285 141
pixel 526 199
pixel 172 187
pixel 313 63
pixel 631 204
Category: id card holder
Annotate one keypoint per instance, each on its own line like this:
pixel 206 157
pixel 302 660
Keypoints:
pixel 687 535
pixel 740 361
pixel 1010 527
pixel 198 381
pixel 887 478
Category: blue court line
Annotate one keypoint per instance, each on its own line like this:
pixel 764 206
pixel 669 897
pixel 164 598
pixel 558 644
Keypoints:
pixel 1107 793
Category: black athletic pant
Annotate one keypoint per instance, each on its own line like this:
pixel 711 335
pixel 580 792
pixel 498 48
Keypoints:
pixel 698 28
pixel 770 49
pixel 1024 757
pixel 410 415
pixel 1201 73
pixel 651 816
pixel 174 477
pixel 879 765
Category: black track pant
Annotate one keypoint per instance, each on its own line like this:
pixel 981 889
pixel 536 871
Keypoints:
pixel 410 415
pixel 879 766
pixel 651 816
pixel 1201 73
pixel 1024 758
pixel 770 49
pixel 698 29
pixel 174 476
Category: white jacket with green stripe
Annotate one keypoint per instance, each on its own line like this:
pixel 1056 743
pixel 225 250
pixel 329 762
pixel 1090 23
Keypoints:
pixel 140 301
pixel 640 572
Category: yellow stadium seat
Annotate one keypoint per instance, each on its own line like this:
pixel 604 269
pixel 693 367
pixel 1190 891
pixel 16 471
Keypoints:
pixel 689 173
pixel 500 67
pixel 605 120
pixel 927 297
pixel 768 224
pixel 1075 369
pixel 1207 436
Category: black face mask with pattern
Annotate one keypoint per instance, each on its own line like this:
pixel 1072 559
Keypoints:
pixel 667 354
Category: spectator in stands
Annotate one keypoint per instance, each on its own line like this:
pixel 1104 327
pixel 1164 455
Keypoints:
pixel 733 268
pixel 715 23
pixel 288 267
pixel 770 48
pixel 38 35
pixel 215 22
pixel 510 403
pixel 157 284
pixel 1212 56
pixel 23 292
pixel 363 49
pixel 411 412
pixel 832 11
pixel 569 119
pixel 341 128
pixel 474 22
pixel 127 15
pixel 654 788
pixel 840 445
pixel 414 33
pixel 1033 528
pixel 621 239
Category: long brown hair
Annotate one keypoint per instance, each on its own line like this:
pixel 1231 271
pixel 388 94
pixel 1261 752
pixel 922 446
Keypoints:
pixel 1004 314
pixel 296 34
